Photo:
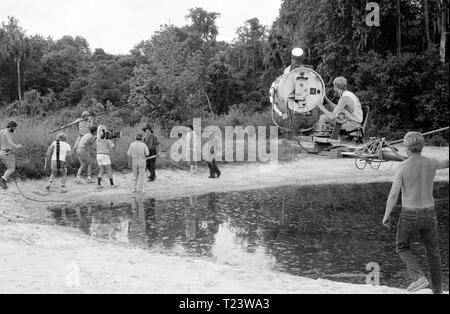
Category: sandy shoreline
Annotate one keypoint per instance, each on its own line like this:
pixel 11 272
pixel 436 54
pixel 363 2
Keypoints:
pixel 35 255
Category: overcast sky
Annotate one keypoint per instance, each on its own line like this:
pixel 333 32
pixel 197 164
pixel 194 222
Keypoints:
pixel 117 25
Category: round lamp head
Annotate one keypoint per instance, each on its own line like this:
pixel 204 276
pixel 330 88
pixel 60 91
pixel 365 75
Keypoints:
pixel 297 52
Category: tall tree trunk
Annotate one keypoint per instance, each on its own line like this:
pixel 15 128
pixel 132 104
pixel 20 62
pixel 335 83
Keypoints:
pixel 427 24
pixel 399 29
pixel 19 80
pixel 209 103
pixel 444 32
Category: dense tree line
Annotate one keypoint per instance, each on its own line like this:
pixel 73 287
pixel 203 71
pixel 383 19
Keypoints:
pixel 399 69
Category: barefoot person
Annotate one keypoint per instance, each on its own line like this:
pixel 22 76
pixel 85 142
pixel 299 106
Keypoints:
pixel 348 103
pixel 415 178
pixel 6 152
pixel 85 154
pixel 58 150
pixel 137 159
pixel 104 147
pixel 152 143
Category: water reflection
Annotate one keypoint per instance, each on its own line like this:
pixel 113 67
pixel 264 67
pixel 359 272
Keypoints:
pixel 320 232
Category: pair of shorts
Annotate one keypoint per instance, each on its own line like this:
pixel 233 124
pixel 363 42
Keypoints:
pixel 103 160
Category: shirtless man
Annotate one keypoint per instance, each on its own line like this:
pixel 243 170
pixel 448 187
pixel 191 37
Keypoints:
pixel 348 103
pixel 415 178
pixel 84 125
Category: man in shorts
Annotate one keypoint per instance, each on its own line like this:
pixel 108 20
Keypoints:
pixel 58 151
pixel 104 147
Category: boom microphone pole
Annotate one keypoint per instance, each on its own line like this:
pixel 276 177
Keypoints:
pixel 423 134
pixel 93 116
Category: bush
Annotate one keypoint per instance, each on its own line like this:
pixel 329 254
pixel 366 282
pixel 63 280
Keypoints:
pixel 33 135
pixel 406 92
pixel 33 104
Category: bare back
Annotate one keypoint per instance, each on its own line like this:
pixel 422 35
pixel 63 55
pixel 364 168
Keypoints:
pixel 418 174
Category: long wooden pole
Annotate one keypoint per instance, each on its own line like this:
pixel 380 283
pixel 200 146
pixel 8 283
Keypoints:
pixel 96 115
pixel 423 134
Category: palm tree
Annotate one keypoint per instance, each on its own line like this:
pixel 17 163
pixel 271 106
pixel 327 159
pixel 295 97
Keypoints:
pixel 443 9
pixel 14 45
pixel 426 12
pixel 399 28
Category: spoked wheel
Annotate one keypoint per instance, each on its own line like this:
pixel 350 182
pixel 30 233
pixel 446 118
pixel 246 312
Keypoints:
pixel 360 163
pixel 375 165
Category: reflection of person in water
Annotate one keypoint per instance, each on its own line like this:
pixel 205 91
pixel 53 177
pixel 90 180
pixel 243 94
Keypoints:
pixel 109 223
pixel 202 224
pixel 137 223
pixel 190 219
pixel 151 229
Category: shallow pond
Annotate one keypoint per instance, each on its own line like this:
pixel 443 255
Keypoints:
pixel 325 231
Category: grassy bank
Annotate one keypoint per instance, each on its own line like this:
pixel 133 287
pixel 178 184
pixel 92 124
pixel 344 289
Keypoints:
pixel 33 135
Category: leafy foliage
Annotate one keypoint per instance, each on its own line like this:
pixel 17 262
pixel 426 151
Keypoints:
pixel 184 72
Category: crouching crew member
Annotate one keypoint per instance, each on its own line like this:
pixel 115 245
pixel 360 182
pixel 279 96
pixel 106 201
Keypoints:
pixel 6 155
pixel 104 147
pixel 137 157
pixel 58 150
pixel 152 143
pixel 85 153
pixel 348 103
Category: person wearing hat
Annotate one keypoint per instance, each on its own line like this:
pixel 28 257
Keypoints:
pixel 137 157
pixel 6 155
pixel 58 150
pixel 84 125
pixel 152 143
pixel 348 103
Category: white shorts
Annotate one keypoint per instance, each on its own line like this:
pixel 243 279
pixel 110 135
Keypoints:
pixel 103 160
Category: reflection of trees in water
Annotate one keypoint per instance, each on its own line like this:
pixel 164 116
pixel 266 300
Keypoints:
pixel 309 230
pixel 98 220
pixel 249 215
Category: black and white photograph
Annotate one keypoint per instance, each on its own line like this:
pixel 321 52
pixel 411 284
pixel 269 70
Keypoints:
pixel 224 153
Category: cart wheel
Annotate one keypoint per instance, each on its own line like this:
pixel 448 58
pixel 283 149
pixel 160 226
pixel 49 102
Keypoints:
pixel 360 163
pixel 375 165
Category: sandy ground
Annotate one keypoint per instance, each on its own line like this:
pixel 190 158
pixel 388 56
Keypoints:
pixel 36 257
pixel 49 259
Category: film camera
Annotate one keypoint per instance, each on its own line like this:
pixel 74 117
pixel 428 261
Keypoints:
pixel 110 134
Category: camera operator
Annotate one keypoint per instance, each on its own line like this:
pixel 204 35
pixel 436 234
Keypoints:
pixel 6 156
pixel 104 146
